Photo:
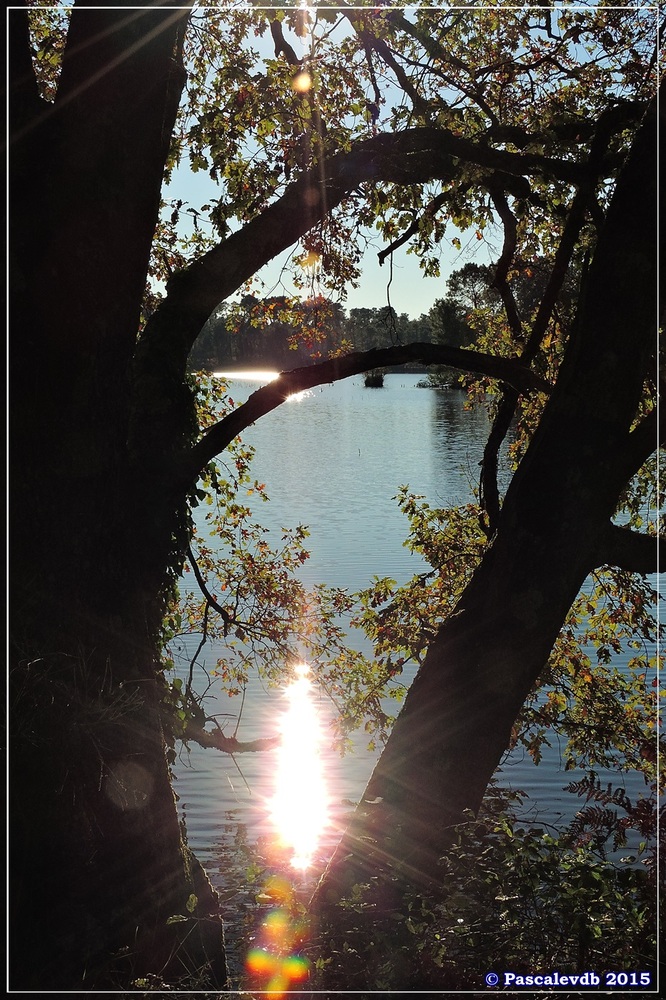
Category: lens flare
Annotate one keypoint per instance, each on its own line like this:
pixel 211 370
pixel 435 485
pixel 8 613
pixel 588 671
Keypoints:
pixel 275 964
pixel 302 82
pixel 299 807
pixel 295 968
pixel 299 812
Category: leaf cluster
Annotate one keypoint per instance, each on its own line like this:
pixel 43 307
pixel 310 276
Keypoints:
pixel 512 897
pixel 499 79
pixel 600 689
pixel 599 693
pixel 48 33
pixel 609 813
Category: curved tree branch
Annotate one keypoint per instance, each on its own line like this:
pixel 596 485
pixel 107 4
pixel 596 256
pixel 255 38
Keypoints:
pixel 430 209
pixel 210 600
pixel 498 181
pixel 227 744
pixel 282 46
pixel 440 54
pixel 510 226
pixel 413 156
pixel 409 157
pixel 373 43
pixel 488 485
pixel 582 201
pixel 488 488
pixel 272 395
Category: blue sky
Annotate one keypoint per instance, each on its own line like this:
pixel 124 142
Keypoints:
pixel 410 291
pixel 405 286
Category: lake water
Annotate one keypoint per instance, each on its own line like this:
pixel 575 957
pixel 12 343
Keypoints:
pixel 333 459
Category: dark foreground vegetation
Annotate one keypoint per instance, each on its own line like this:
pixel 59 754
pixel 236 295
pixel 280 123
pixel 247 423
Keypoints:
pixel 513 898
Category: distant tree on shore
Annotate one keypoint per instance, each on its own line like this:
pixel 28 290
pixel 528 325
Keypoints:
pixel 280 332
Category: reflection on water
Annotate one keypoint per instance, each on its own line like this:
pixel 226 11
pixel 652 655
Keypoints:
pixel 335 462
pixel 296 397
pixel 299 807
pixel 262 377
pixel 255 375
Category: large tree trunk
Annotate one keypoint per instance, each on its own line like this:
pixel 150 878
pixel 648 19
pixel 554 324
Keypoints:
pixel 98 859
pixel 553 530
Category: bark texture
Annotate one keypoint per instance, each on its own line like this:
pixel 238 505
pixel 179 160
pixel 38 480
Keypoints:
pixel 98 858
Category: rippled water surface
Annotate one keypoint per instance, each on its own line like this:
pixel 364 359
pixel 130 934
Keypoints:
pixel 333 459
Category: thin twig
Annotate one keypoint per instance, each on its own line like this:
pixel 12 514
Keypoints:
pixel 210 600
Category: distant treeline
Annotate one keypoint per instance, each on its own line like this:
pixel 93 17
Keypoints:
pixel 281 333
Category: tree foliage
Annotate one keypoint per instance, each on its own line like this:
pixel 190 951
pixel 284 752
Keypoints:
pixel 532 143
pixel 516 897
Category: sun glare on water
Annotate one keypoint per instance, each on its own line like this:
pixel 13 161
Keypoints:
pixel 263 376
pixel 299 807
pixel 251 375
